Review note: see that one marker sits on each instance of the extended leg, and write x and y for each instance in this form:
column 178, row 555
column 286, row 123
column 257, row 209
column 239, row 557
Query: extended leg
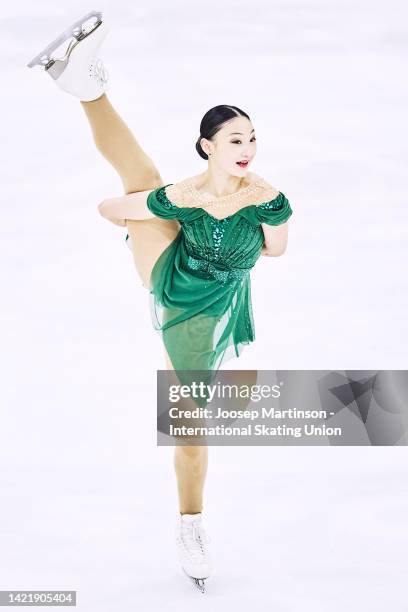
column 118, row 145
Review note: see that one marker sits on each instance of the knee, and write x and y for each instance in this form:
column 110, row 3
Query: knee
column 152, row 180
column 194, row 453
column 149, row 180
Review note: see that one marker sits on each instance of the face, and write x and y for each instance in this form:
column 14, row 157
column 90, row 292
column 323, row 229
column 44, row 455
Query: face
column 234, row 142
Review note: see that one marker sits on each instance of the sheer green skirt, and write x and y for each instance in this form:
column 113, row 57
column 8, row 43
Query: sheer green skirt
column 202, row 321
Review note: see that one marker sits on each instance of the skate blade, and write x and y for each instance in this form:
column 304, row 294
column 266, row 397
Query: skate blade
column 198, row 582
column 76, row 30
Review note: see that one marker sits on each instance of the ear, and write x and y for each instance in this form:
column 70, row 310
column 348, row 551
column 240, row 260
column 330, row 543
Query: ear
column 205, row 145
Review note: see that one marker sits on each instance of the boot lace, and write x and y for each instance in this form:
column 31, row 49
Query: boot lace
column 100, row 73
column 194, row 539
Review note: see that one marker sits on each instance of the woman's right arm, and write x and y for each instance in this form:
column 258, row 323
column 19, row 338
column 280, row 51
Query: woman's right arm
column 132, row 206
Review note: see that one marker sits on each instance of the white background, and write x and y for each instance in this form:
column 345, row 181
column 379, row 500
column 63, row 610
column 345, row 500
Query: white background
column 88, row 502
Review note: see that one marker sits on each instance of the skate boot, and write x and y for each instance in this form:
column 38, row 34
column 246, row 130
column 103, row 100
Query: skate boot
column 192, row 540
column 80, row 71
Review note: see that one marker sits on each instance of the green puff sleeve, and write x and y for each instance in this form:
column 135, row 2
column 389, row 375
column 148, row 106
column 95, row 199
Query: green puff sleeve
column 275, row 212
column 160, row 205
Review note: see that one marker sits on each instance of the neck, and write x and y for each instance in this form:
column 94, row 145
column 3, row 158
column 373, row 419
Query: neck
column 219, row 185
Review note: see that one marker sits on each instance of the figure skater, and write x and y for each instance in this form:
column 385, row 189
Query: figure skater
column 194, row 243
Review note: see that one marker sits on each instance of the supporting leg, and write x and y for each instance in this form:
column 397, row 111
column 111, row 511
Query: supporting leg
column 190, row 463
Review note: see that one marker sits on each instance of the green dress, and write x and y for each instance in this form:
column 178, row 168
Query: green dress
column 200, row 299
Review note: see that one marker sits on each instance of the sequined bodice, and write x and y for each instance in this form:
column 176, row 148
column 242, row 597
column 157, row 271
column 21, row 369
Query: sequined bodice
column 225, row 243
column 233, row 241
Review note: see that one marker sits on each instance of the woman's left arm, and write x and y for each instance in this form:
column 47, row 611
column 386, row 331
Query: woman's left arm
column 276, row 239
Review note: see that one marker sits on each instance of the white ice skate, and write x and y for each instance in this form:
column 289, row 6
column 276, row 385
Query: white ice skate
column 80, row 71
column 192, row 541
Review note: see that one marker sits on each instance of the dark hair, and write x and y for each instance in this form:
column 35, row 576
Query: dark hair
column 213, row 121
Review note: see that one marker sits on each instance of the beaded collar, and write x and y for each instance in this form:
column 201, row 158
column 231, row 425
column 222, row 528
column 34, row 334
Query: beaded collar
column 207, row 200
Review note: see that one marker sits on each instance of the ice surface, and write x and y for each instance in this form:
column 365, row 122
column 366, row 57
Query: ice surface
column 88, row 500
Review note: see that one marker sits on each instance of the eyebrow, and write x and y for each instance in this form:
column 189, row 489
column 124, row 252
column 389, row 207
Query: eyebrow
column 240, row 133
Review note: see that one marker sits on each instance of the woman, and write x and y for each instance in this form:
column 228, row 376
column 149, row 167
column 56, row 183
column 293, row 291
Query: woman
column 193, row 242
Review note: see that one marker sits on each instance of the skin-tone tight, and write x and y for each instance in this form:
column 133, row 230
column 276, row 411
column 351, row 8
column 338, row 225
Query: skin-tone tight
column 149, row 238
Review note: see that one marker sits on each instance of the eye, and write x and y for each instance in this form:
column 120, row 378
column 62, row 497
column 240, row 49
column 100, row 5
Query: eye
column 238, row 141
